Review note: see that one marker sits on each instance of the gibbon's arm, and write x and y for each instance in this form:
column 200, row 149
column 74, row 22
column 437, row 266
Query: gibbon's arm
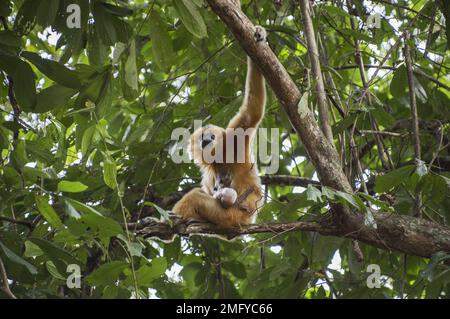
column 252, row 110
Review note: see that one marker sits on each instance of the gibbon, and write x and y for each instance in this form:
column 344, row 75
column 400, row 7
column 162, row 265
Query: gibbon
column 231, row 190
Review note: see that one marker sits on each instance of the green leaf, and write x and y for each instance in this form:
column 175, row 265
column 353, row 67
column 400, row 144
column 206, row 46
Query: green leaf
column 22, row 74
column 134, row 248
column 384, row 183
column 236, row 268
column 383, row 205
column 26, row 16
column 109, row 172
column 116, row 10
column 348, row 198
column 5, row 8
column 71, row 187
column 147, row 273
column 106, row 226
column 18, row 260
column 32, row 250
column 48, row 212
column 419, row 90
column 104, row 24
column 191, row 17
column 399, row 82
column 303, row 107
column 54, row 70
column 53, row 97
column 313, row 194
column 161, row 43
column 82, row 207
column 86, row 141
column 329, row 193
column 55, row 252
column 53, row 270
column 107, row 273
column 9, row 38
column 429, row 271
column 129, row 76
column 46, row 12
column 162, row 212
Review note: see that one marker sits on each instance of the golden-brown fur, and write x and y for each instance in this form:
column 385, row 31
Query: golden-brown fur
column 199, row 203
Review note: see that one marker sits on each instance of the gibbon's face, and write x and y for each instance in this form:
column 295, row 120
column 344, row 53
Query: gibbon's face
column 207, row 145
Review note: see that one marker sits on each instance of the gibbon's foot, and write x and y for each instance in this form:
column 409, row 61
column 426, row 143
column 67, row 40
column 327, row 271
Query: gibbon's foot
column 227, row 196
column 260, row 33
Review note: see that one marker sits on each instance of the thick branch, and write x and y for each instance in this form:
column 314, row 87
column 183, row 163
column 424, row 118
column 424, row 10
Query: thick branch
column 401, row 233
column 320, row 150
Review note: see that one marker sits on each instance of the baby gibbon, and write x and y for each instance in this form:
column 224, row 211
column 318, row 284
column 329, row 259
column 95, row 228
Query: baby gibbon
column 231, row 189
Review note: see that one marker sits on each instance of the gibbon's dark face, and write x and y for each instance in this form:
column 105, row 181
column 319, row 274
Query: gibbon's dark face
column 207, row 144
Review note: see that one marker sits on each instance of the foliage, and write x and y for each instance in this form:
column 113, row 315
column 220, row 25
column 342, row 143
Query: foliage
column 85, row 144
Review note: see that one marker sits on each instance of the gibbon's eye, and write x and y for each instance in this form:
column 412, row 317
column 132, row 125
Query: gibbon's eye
column 206, row 139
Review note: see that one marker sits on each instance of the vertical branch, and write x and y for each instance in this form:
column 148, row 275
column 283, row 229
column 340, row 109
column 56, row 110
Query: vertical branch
column 11, row 96
column 414, row 116
column 218, row 264
column 5, row 287
column 353, row 148
column 384, row 155
column 15, row 106
column 313, row 53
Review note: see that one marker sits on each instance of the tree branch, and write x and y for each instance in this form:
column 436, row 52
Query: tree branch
column 397, row 232
column 5, row 287
column 401, row 233
column 19, row 222
column 320, row 150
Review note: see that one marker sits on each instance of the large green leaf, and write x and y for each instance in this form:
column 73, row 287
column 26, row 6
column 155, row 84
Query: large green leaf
column 54, row 70
column 399, row 83
column 109, row 171
column 24, row 79
column 47, row 211
column 190, row 16
column 53, row 97
column 161, row 43
column 107, row 273
column 71, row 186
column 55, row 252
column 18, row 260
column 129, row 76
column 384, row 183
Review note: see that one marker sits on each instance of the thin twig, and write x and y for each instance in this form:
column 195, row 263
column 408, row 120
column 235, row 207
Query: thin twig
column 5, row 287
column 313, row 53
column 414, row 119
column 19, row 222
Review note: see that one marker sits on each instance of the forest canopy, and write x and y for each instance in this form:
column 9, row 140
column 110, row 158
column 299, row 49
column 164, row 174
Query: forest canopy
column 91, row 92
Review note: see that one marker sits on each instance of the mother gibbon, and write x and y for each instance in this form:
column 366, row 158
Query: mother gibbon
column 231, row 189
